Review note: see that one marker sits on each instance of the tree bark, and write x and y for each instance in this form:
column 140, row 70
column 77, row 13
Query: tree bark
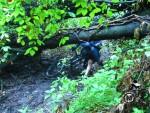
column 118, row 29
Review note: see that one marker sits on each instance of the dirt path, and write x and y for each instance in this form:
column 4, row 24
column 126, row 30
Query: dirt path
column 25, row 85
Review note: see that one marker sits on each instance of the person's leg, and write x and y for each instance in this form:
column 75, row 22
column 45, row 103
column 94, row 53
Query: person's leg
column 89, row 67
column 96, row 58
column 95, row 54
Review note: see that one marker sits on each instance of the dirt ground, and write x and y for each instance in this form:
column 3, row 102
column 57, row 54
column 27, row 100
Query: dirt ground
column 25, row 82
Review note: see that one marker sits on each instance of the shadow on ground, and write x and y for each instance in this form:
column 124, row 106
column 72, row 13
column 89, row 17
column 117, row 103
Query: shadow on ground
column 24, row 83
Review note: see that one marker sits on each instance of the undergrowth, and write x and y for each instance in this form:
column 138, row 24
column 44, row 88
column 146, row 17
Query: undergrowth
column 98, row 92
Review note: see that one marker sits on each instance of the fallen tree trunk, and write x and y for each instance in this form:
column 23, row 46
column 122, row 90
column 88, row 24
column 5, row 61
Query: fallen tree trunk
column 125, row 28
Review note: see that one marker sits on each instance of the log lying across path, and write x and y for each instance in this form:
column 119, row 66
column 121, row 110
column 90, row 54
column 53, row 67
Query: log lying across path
column 125, row 28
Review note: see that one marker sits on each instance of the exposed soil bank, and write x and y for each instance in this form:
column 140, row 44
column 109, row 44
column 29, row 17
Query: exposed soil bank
column 25, row 83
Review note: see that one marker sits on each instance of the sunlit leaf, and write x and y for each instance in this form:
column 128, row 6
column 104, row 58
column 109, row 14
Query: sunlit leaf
column 71, row 14
column 63, row 40
column 115, row 1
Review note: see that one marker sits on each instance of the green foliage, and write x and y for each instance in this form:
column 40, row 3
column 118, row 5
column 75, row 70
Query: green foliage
column 31, row 51
column 40, row 111
column 29, row 26
column 98, row 93
column 76, row 22
column 33, row 22
column 24, row 110
column 115, row 1
column 136, row 110
column 5, row 51
column 63, row 40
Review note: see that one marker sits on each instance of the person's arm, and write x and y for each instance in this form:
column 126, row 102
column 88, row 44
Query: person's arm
column 85, row 44
column 98, row 43
column 81, row 43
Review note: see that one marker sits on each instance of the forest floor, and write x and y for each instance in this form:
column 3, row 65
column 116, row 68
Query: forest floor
column 24, row 84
